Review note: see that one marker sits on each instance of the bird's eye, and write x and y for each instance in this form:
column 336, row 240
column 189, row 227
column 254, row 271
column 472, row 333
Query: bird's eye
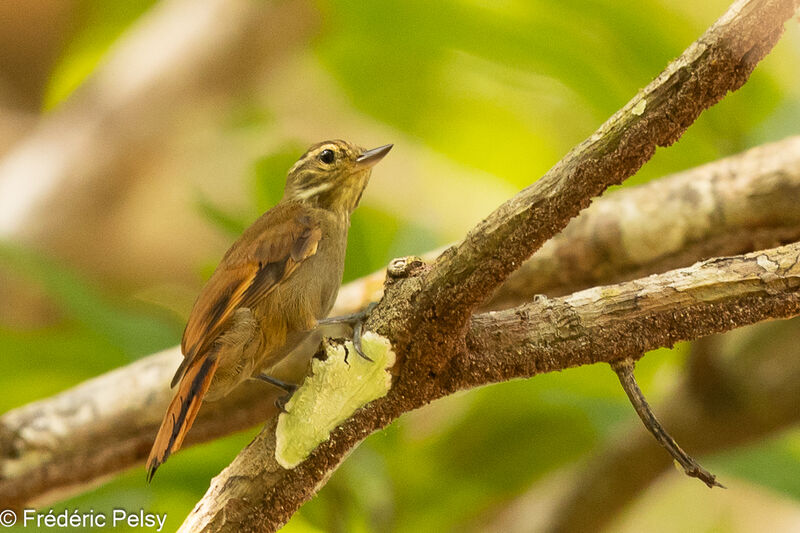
column 327, row 156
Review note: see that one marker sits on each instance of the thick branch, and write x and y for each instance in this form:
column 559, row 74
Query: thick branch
column 609, row 323
column 719, row 61
column 56, row 446
column 736, row 205
column 600, row 324
column 746, row 202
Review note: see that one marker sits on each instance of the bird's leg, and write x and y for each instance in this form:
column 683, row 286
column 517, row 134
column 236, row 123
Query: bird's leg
column 280, row 402
column 356, row 320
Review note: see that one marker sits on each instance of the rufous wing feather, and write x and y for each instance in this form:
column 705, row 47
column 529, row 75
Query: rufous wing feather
column 248, row 272
column 182, row 411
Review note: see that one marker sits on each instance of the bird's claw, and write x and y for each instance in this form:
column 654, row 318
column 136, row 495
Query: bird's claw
column 357, row 341
column 280, row 403
column 357, row 321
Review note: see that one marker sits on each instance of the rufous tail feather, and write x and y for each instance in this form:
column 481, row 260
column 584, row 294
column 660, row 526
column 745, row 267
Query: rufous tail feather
column 181, row 412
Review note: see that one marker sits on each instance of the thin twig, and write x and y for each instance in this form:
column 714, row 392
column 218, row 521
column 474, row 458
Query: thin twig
column 624, row 369
column 723, row 410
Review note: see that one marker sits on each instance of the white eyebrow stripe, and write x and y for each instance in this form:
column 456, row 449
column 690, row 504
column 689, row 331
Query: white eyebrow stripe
column 305, row 194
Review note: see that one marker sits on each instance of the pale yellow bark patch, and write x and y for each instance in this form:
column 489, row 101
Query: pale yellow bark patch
column 332, row 392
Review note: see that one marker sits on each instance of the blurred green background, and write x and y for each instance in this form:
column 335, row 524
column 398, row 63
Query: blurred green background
column 480, row 98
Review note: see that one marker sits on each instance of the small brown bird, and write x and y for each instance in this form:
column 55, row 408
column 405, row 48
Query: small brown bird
column 272, row 287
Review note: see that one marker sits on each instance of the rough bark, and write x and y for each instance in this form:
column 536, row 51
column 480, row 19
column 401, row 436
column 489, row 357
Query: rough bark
column 735, row 205
column 712, row 210
column 625, row 320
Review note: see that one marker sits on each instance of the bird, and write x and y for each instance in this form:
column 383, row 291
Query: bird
column 274, row 285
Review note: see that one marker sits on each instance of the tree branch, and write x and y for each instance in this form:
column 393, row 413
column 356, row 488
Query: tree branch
column 736, row 205
column 746, row 202
column 605, row 324
column 691, row 468
column 719, row 61
column 741, row 399
column 602, row 324
column 66, row 444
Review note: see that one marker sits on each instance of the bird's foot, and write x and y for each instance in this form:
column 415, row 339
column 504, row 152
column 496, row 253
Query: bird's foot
column 280, row 402
column 356, row 320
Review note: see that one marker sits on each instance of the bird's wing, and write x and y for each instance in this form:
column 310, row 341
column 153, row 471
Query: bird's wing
column 265, row 256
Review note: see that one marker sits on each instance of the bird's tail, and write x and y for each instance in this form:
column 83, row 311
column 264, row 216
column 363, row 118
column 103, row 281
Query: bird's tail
column 182, row 411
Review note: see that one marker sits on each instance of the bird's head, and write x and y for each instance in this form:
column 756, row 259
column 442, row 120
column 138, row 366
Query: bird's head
column 332, row 175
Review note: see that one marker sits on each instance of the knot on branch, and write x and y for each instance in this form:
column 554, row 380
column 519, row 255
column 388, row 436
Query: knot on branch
column 405, row 267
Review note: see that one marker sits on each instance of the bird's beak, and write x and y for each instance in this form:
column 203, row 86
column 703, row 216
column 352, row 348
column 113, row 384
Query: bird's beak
column 370, row 157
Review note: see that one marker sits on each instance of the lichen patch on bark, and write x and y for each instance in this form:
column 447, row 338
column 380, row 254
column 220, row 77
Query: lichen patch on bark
column 334, row 390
